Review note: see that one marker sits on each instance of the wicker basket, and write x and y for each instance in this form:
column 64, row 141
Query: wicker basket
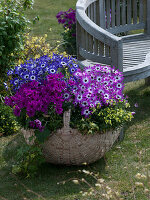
column 68, row 146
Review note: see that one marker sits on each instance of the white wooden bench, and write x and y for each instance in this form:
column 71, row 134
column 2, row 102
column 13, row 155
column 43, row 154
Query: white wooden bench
column 98, row 24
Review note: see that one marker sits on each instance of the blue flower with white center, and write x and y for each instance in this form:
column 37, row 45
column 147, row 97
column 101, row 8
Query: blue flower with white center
column 18, row 68
column 43, row 65
column 38, row 68
column 31, row 66
column 15, row 81
column 32, row 77
column 72, row 69
column 25, row 76
column 6, row 86
column 75, row 65
column 52, row 70
column 63, row 63
column 46, row 69
column 10, row 72
column 40, row 72
column 21, row 83
column 33, row 71
column 25, row 69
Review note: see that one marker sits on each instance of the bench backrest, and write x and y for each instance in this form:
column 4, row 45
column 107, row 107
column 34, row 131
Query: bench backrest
column 99, row 20
column 117, row 16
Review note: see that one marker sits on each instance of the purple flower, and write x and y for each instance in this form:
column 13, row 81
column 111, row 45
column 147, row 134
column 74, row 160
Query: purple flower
column 136, row 105
column 31, row 113
column 32, row 124
column 97, row 85
column 133, row 113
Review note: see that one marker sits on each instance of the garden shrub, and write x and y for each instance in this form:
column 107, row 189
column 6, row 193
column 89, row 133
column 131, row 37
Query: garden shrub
column 36, row 46
column 22, row 158
column 13, row 25
column 28, row 159
column 8, row 124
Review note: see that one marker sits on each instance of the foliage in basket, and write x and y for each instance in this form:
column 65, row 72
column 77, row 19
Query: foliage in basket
column 68, row 20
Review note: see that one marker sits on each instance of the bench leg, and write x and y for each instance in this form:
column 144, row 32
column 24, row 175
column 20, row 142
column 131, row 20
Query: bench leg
column 147, row 81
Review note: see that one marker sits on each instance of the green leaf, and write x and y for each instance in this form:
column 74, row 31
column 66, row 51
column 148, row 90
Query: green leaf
column 41, row 136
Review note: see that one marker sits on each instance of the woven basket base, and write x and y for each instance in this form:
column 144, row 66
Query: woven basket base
column 73, row 148
column 77, row 149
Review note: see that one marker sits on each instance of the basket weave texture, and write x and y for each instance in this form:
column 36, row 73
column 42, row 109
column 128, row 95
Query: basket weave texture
column 68, row 146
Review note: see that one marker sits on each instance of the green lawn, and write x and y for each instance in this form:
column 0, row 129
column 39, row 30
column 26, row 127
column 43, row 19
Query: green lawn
column 118, row 169
column 47, row 10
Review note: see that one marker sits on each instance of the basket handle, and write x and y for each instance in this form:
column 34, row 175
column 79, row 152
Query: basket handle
column 66, row 119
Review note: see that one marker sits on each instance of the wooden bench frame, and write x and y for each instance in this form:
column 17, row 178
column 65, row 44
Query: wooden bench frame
column 96, row 39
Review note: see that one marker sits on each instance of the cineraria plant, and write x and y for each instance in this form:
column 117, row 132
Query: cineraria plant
column 99, row 97
column 97, row 85
column 38, row 69
column 68, row 20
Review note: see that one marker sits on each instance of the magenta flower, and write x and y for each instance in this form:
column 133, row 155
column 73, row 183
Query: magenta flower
column 17, row 111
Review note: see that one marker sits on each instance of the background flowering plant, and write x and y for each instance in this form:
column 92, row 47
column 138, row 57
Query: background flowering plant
column 68, row 20
column 44, row 88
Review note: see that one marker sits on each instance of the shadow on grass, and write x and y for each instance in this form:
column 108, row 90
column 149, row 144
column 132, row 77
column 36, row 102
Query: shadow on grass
column 140, row 94
column 49, row 182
